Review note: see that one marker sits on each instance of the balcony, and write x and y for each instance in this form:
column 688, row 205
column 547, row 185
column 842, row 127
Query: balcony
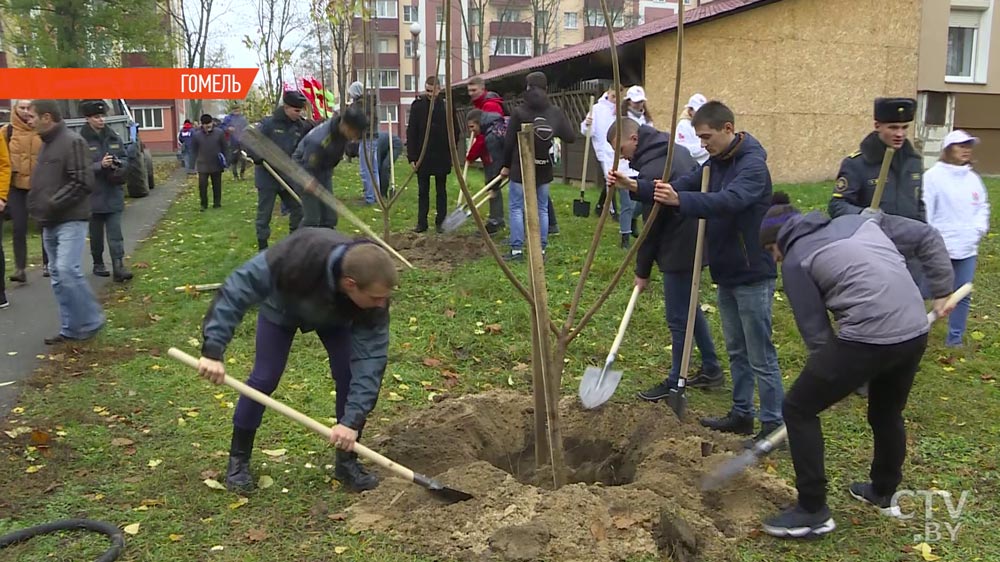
column 386, row 61
column 510, row 29
column 501, row 4
column 613, row 5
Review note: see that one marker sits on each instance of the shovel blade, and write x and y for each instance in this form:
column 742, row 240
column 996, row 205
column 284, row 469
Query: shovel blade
column 454, row 220
column 581, row 208
column 440, row 491
column 677, row 401
column 595, row 390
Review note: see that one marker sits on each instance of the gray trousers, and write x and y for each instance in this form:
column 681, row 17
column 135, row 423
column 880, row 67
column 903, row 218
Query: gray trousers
column 110, row 223
column 316, row 213
column 265, row 208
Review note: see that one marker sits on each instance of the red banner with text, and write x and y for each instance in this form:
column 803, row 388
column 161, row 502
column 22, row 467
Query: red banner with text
column 126, row 83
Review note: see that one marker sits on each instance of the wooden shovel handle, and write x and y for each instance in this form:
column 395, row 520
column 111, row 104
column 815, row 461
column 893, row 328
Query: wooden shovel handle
column 883, row 174
column 699, row 248
column 289, row 412
column 958, row 295
column 624, row 323
column 586, row 151
column 282, row 182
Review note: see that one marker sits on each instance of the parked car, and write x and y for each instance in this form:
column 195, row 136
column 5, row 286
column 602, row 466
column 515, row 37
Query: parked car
column 139, row 177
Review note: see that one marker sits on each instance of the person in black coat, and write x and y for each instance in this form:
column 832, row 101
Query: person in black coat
column 107, row 201
column 209, row 146
column 437, row 158
column 670, row 245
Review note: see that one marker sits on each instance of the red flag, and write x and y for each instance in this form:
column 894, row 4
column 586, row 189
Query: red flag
column 320, row 97
column 307, row 89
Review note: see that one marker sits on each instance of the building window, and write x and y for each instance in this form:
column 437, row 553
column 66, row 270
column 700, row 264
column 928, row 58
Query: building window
column 968, row 43
column 386, row 9
column 476, row 49
column 542, row 19
column 388, row 78
column 408, row 48
column 148, row 117
column 510, row 15
column 512, row 46
column 385, row 46
column 936, row 109
column 439, row 14
column 475, row 16
column 570, row 19
column 388, row 114
column 410, row 83
column 410, row 14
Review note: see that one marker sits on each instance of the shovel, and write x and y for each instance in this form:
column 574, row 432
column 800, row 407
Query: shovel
column 676, row 399
column 458, row 217
column 581, row 208
column 438, row 490
column 734, row 467
column 598, row 385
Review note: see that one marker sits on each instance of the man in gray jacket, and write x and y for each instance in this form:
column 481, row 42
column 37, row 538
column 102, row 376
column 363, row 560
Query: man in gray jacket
column 854, row 267
column 59, row 199
column 313, row 280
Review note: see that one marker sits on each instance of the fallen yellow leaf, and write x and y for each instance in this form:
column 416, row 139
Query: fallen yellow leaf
column 154, row 463
column 393, row 397
column 34, row 468
column 265, row 482
column 192, row 414
column 132, row 529
column 925, row 550
column 175, row 537
column 239, row 503
column 339, row 549
column 217, row 548
column 213, row 484
column 274, row 452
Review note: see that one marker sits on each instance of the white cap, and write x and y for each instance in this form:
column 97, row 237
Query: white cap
column 696, row 102
column 636, row 94
column 958, row 136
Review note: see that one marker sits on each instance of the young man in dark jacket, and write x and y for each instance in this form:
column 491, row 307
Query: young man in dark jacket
column 319, row 152
column 59, row 199
column 488, row 147
column 437, row 155
column 107, row 202
column 670, row 245
column 209, row 146
column 549, row 122
column 739, row 195
column 316, row 279
column 285, row 127
column 881, row 338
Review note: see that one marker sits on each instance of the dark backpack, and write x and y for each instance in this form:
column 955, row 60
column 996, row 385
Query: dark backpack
column 500, row 127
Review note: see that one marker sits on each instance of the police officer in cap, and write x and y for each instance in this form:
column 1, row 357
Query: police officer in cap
column 859, row 171
column 285, row 127
column 107, row 200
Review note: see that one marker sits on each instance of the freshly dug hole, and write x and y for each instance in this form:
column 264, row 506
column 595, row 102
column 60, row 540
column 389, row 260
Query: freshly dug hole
column 633, row 490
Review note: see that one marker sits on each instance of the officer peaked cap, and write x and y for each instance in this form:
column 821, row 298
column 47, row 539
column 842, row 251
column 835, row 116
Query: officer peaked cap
column 89, row 108
column 895, row 110
column 294, row 98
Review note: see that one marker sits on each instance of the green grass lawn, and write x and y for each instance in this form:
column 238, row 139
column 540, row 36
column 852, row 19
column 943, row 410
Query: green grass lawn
column 127, row 435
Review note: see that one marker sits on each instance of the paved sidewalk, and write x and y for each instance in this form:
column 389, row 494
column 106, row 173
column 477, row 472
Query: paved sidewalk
column 33, row 314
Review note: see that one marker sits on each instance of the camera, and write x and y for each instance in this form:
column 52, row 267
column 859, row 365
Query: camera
column 116, row 162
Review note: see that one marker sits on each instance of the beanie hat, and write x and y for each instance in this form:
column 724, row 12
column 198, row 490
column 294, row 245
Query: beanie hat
column 537, row 80
column 781, row 210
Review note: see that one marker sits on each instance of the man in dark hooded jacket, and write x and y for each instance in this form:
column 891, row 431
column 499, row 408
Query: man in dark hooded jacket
column 488, row 147
column 107, row 201
column 285, row 127
column 670, row 244
column 549, row 122
column 739, row 195
column 881, row 338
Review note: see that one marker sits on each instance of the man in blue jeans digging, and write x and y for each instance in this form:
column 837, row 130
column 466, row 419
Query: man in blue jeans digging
column 318, row 280
column 739, row 196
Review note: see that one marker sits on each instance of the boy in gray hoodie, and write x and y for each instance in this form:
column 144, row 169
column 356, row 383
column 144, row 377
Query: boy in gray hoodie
column 855, row 267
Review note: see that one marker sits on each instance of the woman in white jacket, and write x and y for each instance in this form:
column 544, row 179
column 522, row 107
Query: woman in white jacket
column 602, row 117
column 686, row 136
column 956, row 203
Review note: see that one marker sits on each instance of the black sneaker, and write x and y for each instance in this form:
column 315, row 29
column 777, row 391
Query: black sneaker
column 657, row 393
column 766, row 429
column 865, row 492
column 45, row 270
column 707, row 379
column 420, row 229
column 554, row 230
column 4, row 303
column 101, row 270
column 797, row 523
column 515, row 255
column 862, row 390
column 730, row 423
column 352, row 474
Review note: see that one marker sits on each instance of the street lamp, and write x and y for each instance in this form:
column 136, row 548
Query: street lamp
column 415, row 32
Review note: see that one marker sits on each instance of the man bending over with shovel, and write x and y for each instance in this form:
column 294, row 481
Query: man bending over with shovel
column 853, row 266
column 315, row 279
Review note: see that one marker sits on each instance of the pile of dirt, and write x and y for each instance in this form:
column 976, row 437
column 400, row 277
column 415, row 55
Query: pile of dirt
column 633, row 485
column 438, row 251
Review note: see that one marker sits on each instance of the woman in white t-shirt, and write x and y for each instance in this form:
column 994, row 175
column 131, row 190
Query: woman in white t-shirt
column 956, row 203
column 685, row 135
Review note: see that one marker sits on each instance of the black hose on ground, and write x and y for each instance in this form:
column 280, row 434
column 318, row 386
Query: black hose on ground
column 113, row 533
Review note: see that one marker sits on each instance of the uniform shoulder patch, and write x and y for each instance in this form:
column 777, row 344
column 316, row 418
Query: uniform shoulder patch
column 841, row 185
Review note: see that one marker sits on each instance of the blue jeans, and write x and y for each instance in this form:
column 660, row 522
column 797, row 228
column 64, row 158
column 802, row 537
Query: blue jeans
column 516, row 219
column 369, row 177
column 964, row 271
column 677, row 297
column 80, row 316
column 626, row 209
column 746, row 325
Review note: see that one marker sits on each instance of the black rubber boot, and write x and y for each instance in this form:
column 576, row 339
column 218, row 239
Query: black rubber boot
column 238, row 476
column 626, row 241
column 261, row 244
column 100, row 269
column 121, row 273
column 351, row 474
column 730, row 423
